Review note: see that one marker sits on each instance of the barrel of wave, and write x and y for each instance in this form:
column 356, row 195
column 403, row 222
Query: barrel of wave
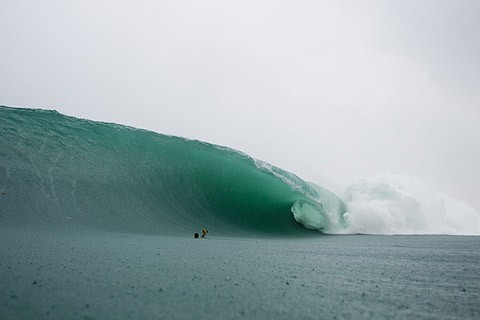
column 325, row 213
column 318, row 209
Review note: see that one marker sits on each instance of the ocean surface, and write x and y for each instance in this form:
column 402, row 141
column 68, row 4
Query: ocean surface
column 89, row 274
column 96, row 222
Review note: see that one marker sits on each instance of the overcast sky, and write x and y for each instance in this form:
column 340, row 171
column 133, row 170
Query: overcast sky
column 330, row 90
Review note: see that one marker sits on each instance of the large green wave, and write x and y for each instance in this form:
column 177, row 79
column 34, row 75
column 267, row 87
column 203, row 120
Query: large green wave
column 57, row 170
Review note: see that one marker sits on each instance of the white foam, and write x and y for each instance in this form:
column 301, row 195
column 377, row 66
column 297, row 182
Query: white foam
column 396, row 204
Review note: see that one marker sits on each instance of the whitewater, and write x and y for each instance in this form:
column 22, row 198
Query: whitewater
column 401, row 204
column 62, row 170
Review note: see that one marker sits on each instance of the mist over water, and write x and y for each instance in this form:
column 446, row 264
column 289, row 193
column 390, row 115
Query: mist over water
column 402, row 204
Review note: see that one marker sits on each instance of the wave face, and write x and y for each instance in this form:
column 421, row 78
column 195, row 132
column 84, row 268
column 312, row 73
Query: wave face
column 396, row 204
column 57, row 170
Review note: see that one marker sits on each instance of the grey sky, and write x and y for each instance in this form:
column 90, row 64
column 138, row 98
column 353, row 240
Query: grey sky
column 330, row 90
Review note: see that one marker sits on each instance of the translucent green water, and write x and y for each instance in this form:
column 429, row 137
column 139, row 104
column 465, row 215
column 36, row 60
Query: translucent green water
column 58, row 170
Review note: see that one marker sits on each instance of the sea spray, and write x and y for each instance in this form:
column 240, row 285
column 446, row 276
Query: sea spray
column 399, row 204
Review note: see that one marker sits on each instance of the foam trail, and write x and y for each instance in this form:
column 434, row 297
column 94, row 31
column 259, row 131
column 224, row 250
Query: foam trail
column 396, row 204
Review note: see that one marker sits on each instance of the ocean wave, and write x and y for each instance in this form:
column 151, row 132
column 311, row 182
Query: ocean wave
column 58, row 170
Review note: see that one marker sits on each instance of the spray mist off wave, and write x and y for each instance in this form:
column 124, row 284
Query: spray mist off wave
column 397, row 204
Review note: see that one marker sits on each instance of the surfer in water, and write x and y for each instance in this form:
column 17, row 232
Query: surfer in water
column 204, row 233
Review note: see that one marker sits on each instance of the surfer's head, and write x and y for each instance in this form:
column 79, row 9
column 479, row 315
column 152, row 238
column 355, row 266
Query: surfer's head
column 195, row 235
